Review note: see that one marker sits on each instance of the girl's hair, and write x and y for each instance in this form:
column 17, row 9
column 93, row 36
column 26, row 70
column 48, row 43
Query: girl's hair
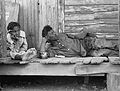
column 11, row 25
column 45, row 30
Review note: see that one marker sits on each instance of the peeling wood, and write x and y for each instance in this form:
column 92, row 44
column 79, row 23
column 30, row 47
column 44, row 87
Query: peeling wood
column 99, row 28
column 92, row 22
column 74, row 2
column 101, row 15
column 3, row 51
column 61, row 8
column 90, row 9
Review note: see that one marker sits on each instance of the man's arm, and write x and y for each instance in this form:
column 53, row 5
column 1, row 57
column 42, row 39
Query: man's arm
column 43, row 44
column 80, row 35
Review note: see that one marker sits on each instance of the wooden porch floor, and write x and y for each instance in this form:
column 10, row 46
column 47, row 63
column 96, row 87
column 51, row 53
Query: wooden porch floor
column 69, row 68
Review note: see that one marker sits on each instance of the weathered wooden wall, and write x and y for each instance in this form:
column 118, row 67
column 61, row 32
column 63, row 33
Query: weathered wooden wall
column 29, row 20
column 98, row 16
column 2, row 30
column 48, row 15
column 34, row 15
column 71, row 16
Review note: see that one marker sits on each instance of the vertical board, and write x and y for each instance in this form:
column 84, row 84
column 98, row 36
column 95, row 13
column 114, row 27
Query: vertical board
column 51, row 11
column 61, row 17
column 12, row 9
column 3, row 51
column 29, row 20
column 42, row 17
column 113, row 82
column 47, row 15
column 119, row 29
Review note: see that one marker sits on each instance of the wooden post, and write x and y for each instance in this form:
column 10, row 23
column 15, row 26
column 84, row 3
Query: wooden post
column 113, row 82
column 3, row 45
column 86, row 80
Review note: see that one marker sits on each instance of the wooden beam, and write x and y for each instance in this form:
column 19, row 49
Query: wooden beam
column 96, row 69
column 38, row 69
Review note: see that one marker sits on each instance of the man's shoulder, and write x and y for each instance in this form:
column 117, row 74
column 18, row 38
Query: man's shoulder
column 22, row 33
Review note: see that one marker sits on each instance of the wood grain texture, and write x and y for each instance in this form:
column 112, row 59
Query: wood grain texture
column 97, row 16
column 47, row 15
column 74, row 2
column 3, row 51
column 90, row 9
column 119, row 27
column 28, row 19
column 91, row 22
column 113, row 82
column 99, row 28
column 61, row 18
column 101, row 15
column 94, row 69
column 12, row 10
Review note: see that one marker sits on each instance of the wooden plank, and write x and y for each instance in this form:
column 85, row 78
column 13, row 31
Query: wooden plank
column 29, row 15
column 38, row 69
column 90, row 9
column 92, row 22
column 36, row 23
column 96, row 69
column 42, row 18
column 52, row 14
column 113, row 82
column 33, row 23
column 3, row 50
column 99, row 28
column 119, row 28
column 13, row 12
column 21, row 14
column 74, row 2
column 101, row 15
column 61, row 8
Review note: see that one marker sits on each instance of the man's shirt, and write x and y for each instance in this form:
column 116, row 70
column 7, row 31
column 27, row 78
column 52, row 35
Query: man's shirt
column 66, row 45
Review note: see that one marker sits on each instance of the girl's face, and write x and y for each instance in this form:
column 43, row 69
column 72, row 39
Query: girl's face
column 15, row 31
column 16, row 28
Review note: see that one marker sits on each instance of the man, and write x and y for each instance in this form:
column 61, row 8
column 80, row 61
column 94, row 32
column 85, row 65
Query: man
column 17, row 43
column 82, row 45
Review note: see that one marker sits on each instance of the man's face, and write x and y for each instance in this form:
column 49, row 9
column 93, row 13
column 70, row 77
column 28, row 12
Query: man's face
column 51, row 35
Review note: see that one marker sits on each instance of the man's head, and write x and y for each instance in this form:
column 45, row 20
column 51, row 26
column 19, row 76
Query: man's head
column 48, row 32
column 13, row 27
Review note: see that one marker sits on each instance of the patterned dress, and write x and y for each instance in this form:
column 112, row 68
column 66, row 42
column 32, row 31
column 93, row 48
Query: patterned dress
column 17, row 44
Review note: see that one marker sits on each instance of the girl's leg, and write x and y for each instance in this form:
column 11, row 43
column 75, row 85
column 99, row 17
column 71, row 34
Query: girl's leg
column 29, row 54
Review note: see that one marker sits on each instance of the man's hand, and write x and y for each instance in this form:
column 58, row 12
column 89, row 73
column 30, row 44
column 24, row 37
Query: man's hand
column 43, row 55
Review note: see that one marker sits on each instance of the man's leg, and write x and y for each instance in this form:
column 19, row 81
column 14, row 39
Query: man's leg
column 103, row 43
